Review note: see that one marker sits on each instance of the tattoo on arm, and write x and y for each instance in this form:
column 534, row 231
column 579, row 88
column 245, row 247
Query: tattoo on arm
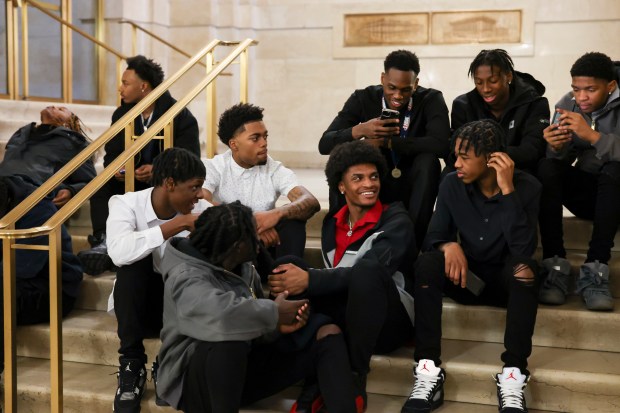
column 303, row 204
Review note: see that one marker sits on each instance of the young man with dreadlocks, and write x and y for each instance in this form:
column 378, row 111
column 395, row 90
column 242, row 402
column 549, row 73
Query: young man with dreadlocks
column 223, row 344
column 511, row 98
column 138, row 226
column 139, row 79
column 411, row 146
column 484, row 224
column 364, row 246
column 587, row 130
column 246, row 173
column 39, row 151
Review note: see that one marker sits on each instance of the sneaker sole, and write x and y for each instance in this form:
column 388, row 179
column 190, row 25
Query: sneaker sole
column 95, row 264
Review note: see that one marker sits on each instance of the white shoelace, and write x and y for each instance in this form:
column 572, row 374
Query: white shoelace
column 423, row 386
column 512, row 394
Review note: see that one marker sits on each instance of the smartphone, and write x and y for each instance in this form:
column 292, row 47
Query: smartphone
column 389, row 114
column 556, row 118
column 474, row 283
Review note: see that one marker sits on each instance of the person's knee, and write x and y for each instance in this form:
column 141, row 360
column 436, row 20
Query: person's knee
column 327, row 330
column 367, row 276
column 610, row 172
column 524, row 274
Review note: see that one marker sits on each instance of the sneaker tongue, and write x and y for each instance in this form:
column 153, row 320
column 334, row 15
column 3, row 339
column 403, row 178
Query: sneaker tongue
column 427, row 367
column 512, row 375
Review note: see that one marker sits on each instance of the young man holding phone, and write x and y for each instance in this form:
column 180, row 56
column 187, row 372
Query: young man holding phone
column 586, row 128
column 484, row 224
column 411, row 143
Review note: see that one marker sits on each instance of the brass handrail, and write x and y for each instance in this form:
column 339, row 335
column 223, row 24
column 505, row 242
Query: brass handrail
column 136, row 26
column 53, row 225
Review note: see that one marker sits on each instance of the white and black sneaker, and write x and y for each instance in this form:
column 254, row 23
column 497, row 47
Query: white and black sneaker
column 510, row 386
column 131, row 380
column 427, row 392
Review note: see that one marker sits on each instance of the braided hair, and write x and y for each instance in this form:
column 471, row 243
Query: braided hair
column 492, row 57
column 218, row 228
column 179, row 164
column 485, row 136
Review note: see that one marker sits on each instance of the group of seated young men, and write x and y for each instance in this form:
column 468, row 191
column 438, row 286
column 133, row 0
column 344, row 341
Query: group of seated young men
column 509, row 171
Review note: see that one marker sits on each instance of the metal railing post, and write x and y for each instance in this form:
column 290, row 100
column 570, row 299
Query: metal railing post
column 55, row 279
column 211, row 143
column 9, row 294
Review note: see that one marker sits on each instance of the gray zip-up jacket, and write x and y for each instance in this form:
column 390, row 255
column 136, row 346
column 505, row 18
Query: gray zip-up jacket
column 203, row 302
column 590, row 158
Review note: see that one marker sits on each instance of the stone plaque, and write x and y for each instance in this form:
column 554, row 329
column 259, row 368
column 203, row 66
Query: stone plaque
column 497, row 26
column 386, row 29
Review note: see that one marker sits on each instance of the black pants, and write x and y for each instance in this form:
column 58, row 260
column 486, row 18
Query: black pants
column 292, row 233
column 502, row 289
column 99, row 203
column 417, row 189
column 32, row 307
column 138, row 305
column 369, row 312
column 587, row 196
column 223, row 376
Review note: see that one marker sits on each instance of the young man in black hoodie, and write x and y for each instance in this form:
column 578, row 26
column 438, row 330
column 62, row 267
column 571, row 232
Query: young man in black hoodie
column 513, row 99
column 411, row 148
column 139, row 79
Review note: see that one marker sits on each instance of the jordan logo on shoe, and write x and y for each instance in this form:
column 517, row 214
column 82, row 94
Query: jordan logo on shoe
column 511, row 376
column 424, row 367
column 127, row 368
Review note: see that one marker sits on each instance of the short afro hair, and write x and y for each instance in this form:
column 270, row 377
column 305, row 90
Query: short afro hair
column 402, row 60
column 596, row 65
column 485, row 136
column 492, row 57
column 233, row 119
column 146, row 69
column 349, row 154
column 179, row 164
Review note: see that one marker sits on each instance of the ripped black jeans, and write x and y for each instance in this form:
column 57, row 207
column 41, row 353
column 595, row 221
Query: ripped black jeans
column 502, row 289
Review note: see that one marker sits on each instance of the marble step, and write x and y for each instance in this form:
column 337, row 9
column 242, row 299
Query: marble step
column 562, row 381
column 90, row 388
column 90, row 336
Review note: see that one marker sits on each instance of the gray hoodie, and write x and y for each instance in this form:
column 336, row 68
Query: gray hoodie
column 590, row 158
column 203, row 302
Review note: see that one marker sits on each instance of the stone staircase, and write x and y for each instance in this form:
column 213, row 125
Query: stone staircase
column 574, row 364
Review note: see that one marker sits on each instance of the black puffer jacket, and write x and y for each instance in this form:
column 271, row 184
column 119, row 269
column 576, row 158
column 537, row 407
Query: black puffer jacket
column 185, row 132
column 525, row 117
column 40, row 151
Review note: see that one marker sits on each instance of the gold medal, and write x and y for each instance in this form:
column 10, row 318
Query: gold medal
column 396, row 173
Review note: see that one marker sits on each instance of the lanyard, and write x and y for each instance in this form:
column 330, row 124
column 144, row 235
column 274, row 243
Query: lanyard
column 146, row 124
column 403, row 128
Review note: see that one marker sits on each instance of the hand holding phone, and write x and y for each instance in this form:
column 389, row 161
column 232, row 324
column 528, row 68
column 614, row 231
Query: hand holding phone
column 474, row 283
column 556, row 118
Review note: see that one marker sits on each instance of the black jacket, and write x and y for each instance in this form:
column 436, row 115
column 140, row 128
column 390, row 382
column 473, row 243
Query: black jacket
column 390, row 249
column 524, row 119
column 38, row 152
column 429, row 131
column 32, row 266
column 185, row 133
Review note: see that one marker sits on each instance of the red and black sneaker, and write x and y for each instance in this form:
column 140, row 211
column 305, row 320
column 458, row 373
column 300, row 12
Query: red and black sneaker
column 309, row 400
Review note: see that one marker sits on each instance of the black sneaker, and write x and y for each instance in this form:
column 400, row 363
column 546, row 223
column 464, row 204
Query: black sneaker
column 309, row 400
column 510, row 386
column 154, row 369
column 96, row 260
column 427, row 392
column 131, row 381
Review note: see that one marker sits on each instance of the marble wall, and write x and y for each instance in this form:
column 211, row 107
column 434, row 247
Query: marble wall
column 301, row 74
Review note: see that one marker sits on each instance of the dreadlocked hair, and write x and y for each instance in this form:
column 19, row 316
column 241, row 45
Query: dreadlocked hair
column 233, row 119
column 77, row 125
column 492, row 57
column 352, row 153
column 218, row 228
column 179, row 164
column 594, row 64
column 485, row 136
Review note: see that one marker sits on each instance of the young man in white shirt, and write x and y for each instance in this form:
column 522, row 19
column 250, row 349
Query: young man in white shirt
column 138, row 226
column 246, row 173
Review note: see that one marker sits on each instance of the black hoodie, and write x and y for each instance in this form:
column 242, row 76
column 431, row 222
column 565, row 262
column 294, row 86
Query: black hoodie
column 525, row 117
